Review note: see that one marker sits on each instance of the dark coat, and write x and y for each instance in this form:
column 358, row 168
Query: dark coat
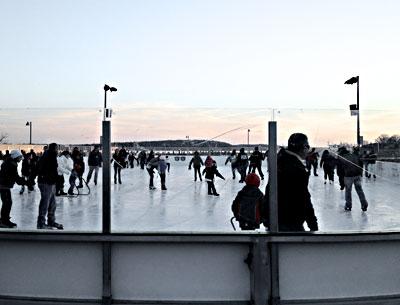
column 294, row 200
column 211, row 172
column 352, row 165
column 243, row 207
column 242, row 160
column 95, row 158
column 79, row 163
column 256, row 158
column 196, row 161
column 9, row 174
column 47, row 168
column 328, row 162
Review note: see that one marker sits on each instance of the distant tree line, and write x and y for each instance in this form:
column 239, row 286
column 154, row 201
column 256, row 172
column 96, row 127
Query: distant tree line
column 172, row 143
column 386, row 141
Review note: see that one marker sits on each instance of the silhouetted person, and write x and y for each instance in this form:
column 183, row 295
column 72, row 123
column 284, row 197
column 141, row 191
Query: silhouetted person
column 256, row 159
column 312, row 161
column 210, row 172
column 94, row 161
column 328, row 163
column 294, row 199
column 242, row 163
column 340, row 166
column 197, row 163
column 233, row 159
column 353, row 169
column 8, row 177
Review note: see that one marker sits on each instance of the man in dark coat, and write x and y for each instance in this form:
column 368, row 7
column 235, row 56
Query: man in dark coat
column 94, row 161
column 197, row 163
column 8, row 177
column 256, row 159
column 242, row 164
column 47, row 179
column 294, row 199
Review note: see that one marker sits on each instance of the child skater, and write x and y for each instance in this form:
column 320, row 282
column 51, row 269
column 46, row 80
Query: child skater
column 210, row 171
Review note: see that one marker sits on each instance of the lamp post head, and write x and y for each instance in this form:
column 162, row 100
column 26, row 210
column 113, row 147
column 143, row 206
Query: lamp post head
column 112, row 89
column 27, row 124
column 106, row 87
column 351, row 81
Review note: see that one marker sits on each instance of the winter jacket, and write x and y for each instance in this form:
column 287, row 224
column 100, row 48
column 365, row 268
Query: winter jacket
column 211, row 172
column 256, row 158
column 294, row 200
column 242, row 160
column 243, row 207
column 79, row 164
column 95, row 158
column 28, row 167
column 47, row 168
column 352, row 165
column 118, row 159
column 162, row 166
column 232, row 159
column 328, row 162
column 152, row 164
column 196, row 161
column 9, row 174
column 65, row 165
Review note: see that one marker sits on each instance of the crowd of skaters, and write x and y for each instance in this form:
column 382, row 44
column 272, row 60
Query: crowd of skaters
column 50, row 167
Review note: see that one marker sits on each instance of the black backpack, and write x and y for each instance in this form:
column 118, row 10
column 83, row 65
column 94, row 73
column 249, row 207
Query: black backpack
column 248, row 212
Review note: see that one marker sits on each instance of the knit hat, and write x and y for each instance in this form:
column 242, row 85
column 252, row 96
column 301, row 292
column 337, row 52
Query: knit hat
column 252, row 179
column 15, row 154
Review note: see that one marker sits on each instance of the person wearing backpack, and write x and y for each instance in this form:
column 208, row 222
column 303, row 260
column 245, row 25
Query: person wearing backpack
column 248, row 204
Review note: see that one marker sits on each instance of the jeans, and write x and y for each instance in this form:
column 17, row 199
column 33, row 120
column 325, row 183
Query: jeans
column 197, row 171
column 211, row 188
column 96, row 172
column 47, row 204
column 348, row 182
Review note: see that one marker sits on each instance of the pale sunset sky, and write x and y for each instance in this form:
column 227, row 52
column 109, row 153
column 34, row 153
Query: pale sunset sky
column 198, row 68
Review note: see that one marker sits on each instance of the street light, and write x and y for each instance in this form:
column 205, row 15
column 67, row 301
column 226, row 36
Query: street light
column 356, row 108
column 107, row 112
column 248, row 137
column 106, row 146
column 30, row 131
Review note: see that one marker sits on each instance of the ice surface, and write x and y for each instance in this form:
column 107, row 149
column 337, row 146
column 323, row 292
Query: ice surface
column 185, row 206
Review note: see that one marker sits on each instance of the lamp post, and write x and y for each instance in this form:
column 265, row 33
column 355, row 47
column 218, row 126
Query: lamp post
column 248, row 137
column 106, row 145
column 30, row 131
column 351, row 81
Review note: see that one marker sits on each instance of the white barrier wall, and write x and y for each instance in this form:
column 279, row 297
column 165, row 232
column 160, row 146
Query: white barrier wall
column 55, row 270
column 339, row 270
column 183, row 272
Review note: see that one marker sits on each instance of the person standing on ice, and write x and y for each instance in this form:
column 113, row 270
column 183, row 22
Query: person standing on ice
column 47, row 179
column 8, row 177
column 162, row 167
column 353, row 169
column 118, row 160
column 328, row 163
column 64, row 167
column 312, row 161
column 95, row 159
column 168, row 163
column 256, row 159
column 142, row 159
column 340, row 166
column 294, row 199
column 242, row 164
column 210, row 172
column 28, row 171
column 151, row 166
column 232, row 158
column 197, row 163
column 79, row 168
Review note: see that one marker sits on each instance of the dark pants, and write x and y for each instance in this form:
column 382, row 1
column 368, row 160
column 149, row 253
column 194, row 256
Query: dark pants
column 242, row 171
column 162, row 177
column 341, row 181
column 151, row 174
column 258, row 167
column 168, row 166
column 328, row 173
column 211, row 188
column 47, row 204
column 117, row 172
column 5, row 195
column 60, row 184
column 197, row 171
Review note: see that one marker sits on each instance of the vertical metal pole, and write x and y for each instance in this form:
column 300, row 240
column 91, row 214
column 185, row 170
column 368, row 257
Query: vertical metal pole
column 106, row 177
column 30, row 133
column 273, row 211
column 260, row 272
column 107, row 296
column 273, row 177
column 248, row 137
column 358, row 112
column 105, row 105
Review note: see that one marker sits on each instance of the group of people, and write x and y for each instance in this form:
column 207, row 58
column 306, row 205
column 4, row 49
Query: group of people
column 294, row 168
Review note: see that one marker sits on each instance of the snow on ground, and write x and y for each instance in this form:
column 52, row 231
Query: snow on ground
column 185, row 206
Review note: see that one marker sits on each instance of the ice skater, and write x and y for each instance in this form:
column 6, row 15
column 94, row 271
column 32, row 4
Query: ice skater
column 210, row 172
column 119, row 162
column 232, row 158
column 256, row 159
column 151, row 165
column 168, row 163
column 162, row 167
column 94, row 161
column 197, row 163
column 64, row 167
column 328, row 163
column 28, row 171
column 340, row 166
column 312, row 161
column 242, row 164
column 353, row 169
column 8, row 177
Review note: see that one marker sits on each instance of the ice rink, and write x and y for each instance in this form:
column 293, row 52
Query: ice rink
column 185, row 206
